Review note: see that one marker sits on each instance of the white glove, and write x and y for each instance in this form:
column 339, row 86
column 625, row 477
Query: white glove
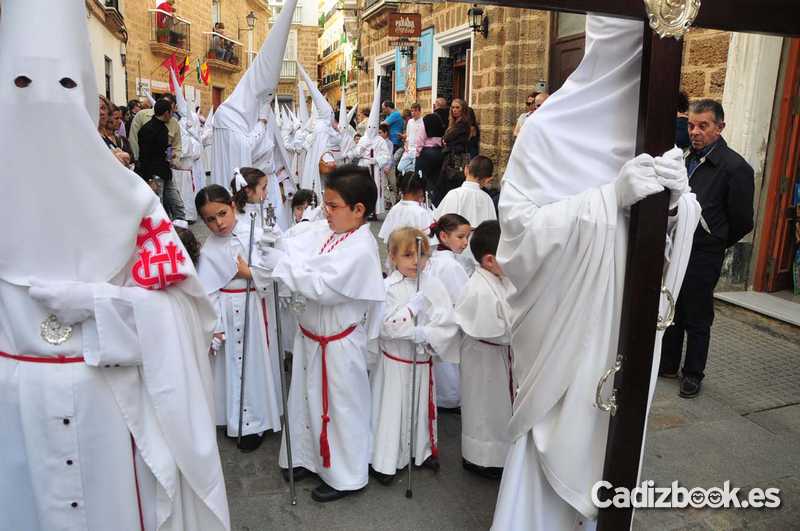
column 671, row 174
column 70, row 302
column 636, row 180
column 269, row 237
column 216, row 342
column 418, row 303
column 270, row 257
column 420, row 337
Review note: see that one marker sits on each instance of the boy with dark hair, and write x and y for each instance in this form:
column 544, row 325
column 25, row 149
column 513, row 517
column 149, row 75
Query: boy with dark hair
column 334, row 275
column 486, row 358
column 469, row 200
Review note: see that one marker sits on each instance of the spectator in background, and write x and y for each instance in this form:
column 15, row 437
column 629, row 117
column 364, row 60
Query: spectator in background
column 682, row 122
column 442, row 109
column 532, row 102
column 474, row 143
column 456, row 145
column 429, row 158
column 222, row 47
column 107, row 134
column 415, row 130
column 363, row 118
column 723, row 183
column 117, row 128
column 134, row 106
column 395, row 122
column 143, row 116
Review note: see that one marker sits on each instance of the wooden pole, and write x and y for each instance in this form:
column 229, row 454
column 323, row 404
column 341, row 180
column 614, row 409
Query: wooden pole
column 661, row 69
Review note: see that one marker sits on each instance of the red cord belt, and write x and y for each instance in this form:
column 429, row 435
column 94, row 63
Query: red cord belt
column 242, row 290
column 324, row 447
column 510, row 366
column 431, row 401
column 59, row 358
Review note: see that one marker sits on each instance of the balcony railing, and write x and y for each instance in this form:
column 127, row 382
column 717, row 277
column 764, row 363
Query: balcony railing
column 169, row 33
column 375, row 7
column 222, row 52
column 330, row 49
column 289, row 69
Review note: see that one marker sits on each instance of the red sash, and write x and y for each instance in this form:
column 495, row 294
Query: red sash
column 431, row 400
column 60, row 358
column 324, row 447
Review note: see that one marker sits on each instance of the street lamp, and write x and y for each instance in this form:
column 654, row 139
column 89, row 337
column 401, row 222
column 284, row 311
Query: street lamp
column 251, row 20
column 478, row 21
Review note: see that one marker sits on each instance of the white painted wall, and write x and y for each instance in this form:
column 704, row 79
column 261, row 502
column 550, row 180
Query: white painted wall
column 105, row 44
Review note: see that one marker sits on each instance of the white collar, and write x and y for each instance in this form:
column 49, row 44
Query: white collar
column 470, row 184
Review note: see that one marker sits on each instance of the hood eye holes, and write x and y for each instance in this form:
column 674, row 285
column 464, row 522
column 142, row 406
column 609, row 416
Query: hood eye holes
column 22, row 81
column 67, row 82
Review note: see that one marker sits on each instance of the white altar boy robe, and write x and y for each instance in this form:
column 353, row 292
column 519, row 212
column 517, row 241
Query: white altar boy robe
column 469, row 201
column 486, row 358
column 391, row 379
column 405, row 214
column 445, row 266
column 339, row 276
column 262, row 398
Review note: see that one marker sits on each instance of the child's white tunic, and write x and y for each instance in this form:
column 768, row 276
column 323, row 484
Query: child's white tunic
column 391, row 380
column 343, row 289
column 486, row 361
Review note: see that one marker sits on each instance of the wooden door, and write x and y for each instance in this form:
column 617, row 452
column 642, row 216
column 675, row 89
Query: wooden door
column 567, row 43
column 216, row 97
column 779, row 238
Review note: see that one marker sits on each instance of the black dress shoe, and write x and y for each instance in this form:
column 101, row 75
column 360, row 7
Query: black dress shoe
column 325, row 493
column 690, row 386
column 298, row 472
column 489, row 472
column 431, row 463
column 250, row 443
column 672, row 375
column 383, row 479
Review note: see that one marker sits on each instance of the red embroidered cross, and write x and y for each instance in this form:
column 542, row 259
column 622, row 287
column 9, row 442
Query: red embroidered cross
column 158, row 267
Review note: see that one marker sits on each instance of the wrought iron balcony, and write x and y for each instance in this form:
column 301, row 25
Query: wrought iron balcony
column 223, row 53
column 169, row 33
column 289, row 69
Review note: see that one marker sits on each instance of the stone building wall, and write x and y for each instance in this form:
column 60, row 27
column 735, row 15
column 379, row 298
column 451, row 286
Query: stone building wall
column 306, row 56
column 705, row 57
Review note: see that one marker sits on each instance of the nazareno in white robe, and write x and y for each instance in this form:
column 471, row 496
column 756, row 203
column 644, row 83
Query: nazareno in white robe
column 486, row 360
column 115, row 433
column 563, row 245
column 391, row 378
column 375, row 155
column 262, row 399
column 342, row 288
column 405, row 214
column 445, row 266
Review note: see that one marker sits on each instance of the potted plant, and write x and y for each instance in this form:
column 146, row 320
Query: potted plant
column 162, row 35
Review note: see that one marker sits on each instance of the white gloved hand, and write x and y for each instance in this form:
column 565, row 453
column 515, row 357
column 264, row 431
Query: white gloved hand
column 418, row 303
column 70, row 302
column 270, row 257
column 270, row 236
column 420, row 336
column 217, row 341
column 671, row 174
column 636, row 180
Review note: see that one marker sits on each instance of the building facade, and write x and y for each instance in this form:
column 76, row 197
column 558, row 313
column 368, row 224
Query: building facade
column 301, row 48
column 335, row 50
column 108, row 35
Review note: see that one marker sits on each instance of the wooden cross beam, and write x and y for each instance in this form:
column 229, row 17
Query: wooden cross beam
column 661, row 68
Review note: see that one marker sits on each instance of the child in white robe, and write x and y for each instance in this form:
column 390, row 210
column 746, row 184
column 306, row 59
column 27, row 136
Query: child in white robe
column 224, row 271
column 410, row 210
column 486, row 358
column 336, row 271
column 452, row 231
column 433, row 332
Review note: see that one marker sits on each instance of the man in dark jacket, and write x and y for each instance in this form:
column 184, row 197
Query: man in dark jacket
column 154, row 157
column 723, row 183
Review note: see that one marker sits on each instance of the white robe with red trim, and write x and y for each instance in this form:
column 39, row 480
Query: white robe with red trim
column 391, row 379
column 342, row 287
column 125, row 437
column 262, row 398
column 483, row 315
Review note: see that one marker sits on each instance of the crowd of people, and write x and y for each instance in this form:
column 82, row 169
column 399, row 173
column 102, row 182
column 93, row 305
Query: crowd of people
column 145, row 341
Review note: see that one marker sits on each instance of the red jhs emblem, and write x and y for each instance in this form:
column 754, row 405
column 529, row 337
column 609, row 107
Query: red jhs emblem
column 158, row 265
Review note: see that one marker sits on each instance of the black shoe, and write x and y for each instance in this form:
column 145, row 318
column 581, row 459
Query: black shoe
column 298, row 472
column 489, row 472
column 450, row 410
column 383, row 479
column 431, row 463
column 250, row 443
column 325, row 493
column 672, row 375
column 690, row 386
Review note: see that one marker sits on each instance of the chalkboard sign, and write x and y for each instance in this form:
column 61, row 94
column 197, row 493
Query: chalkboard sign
column 444, row 79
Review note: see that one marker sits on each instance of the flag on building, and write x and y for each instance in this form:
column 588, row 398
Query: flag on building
column 170, row 63
column 186, row 66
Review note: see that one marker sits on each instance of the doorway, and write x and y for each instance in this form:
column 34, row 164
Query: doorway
column 567, row 43
column 216, row 97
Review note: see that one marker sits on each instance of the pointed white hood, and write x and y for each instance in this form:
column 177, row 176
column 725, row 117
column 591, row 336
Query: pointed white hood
column 180, row 101
column 374, row 112
column 302, row 107
column 57, row 169
column 599, row 100
column 259, row 82
column 342, row 111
